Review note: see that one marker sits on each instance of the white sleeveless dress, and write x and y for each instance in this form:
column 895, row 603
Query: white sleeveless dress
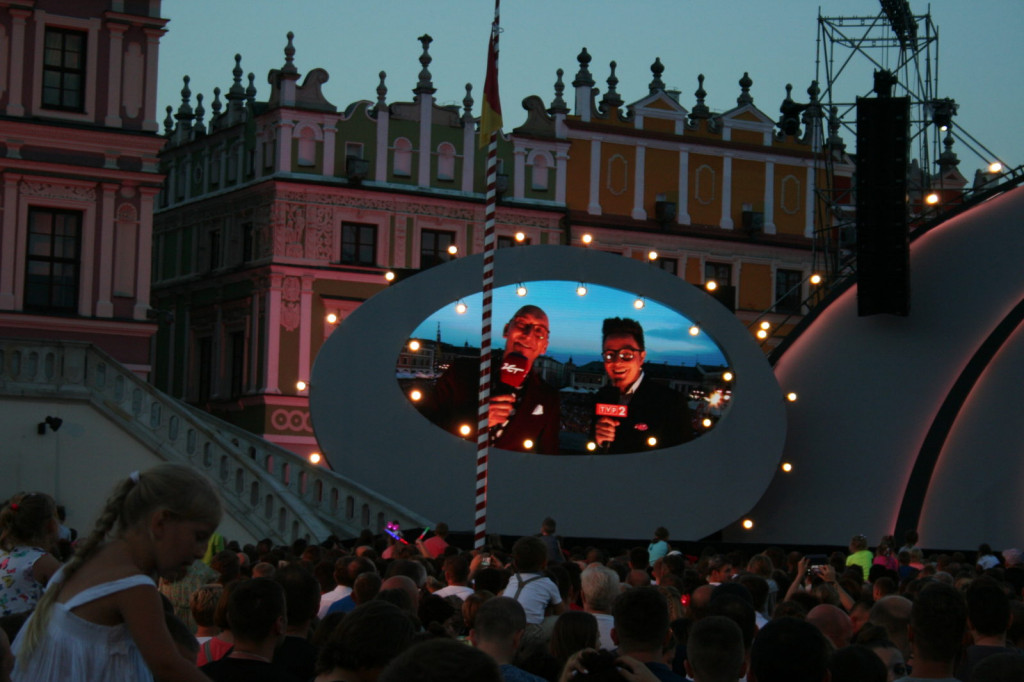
column 75, row 650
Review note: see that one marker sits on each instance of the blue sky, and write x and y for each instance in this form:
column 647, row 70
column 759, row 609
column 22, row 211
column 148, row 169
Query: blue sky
column 576, row 323
column 775, row 41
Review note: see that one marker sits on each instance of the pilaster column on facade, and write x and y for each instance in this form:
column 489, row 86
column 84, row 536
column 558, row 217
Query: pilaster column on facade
column 222, row 152
column 218, row 388
column 519, row 164
column 769, row 197
column 727, row 223
column 426, row 102
column 105, row 227
column 15, row 60
column 255, row 346
column 380, row 173
column 143, row 261
column 330, row 137
column 306, row 327
column 284, row 146
column 683, row 209
column 91, row 225
column 8, row 241
column 638, row 183
column 584, row 97
column 185, row 176
column 809, row 203
column 594, row 203
column 561, row 175
column 204, row 171
column 113, row 117
column 273, row 334
column 153, row 35
column 469, row 142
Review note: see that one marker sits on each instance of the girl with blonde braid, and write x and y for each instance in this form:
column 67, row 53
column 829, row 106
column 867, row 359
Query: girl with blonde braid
column 102, row 618
column 28, row 537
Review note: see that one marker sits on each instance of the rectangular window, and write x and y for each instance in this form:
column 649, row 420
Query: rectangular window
column 670, row 265
column 204, row 368
column 358, row 244
column 214, row 246
column 64, row 69
column 434, row 247
column 721, row 273
column 236, row 363
column 53, row 260
column 787, row 291
column 248, row 245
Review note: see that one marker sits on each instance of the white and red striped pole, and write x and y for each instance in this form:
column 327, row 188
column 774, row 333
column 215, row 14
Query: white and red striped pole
column 490, row 117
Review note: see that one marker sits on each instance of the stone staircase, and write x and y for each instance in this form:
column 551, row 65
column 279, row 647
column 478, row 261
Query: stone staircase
column 271, row 492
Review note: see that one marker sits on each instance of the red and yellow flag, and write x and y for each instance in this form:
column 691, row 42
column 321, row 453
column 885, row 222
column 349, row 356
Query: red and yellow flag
column 490, row 118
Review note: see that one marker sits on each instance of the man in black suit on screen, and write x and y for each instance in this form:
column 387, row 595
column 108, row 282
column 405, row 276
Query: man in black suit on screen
column 632, row 413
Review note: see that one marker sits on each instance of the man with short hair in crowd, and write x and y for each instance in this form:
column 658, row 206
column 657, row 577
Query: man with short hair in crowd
column 893, row 614
column 715, row 651
column 938, row 621
column 641, row 629
column 456, row 574
column 256, row 614
column 498, row 631
column 347, row 570
column 789, row 650
column 719, row 570
column 988, row 619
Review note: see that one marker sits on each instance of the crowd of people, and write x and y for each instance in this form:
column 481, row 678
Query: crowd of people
column 154, row 592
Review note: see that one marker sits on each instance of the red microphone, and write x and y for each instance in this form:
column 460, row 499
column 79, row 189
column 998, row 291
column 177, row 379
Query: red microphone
column 514, row 370
column 614, row 411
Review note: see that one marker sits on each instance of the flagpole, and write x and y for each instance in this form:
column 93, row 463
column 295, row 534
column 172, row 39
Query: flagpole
column 490, row 124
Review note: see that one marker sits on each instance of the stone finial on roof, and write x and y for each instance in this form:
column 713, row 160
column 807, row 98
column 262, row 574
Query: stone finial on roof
column 813, row 113
column 289, row 58
column 700, row 109
column 835, row 142
column 236, row 92
column 745, row 97
column 789, row 122
column 216, row 105
column 467, row 104
column 425, row 86
column 200, row 112
column 558, row 105
column 169, row 121
column 583, row 76
column 185, row 109
column 382, row 92
column 611, row 99
column 657, row 68
column 250, row 90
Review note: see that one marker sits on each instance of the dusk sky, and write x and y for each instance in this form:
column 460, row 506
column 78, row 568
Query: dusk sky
column 776, row 42
column 576, row 323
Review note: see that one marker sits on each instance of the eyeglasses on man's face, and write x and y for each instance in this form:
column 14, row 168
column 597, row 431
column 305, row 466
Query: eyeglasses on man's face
column 622, row 355
column 537, row 330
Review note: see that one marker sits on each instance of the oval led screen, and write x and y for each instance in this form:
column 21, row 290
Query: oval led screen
column 607, row 372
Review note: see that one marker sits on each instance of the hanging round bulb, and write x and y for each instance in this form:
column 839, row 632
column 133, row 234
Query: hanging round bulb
column 465, row 430
column 461, row 307
column 581, row 290
column 521, row 290
column 932, row 199
column 520, row 237
column 414, row 345
column 389, row 276
column 315, row 457
column 453, row 249
column 815, row 278
column 586, row 239
column 711, row 285
column 748, row 524
column 639, row 303
column 415, row 395
column 300, row 385
column 727, row 376
column 766, row 325
column 995, row 167
column 652, row 256
column 762, row 334
column 787, row 467
column 332, row 318
column 694, row 329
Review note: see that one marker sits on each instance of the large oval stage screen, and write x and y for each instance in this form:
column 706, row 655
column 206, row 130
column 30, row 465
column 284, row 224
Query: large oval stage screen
column 576, row 369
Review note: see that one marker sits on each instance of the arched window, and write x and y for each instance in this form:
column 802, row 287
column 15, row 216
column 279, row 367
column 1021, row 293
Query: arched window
column 403, row 157
column 307, row 147
column 446, row 161
column 539, row 172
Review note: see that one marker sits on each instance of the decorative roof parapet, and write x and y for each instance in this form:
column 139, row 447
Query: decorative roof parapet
column 789, row 121
column 812, row 116
column 583, row 76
